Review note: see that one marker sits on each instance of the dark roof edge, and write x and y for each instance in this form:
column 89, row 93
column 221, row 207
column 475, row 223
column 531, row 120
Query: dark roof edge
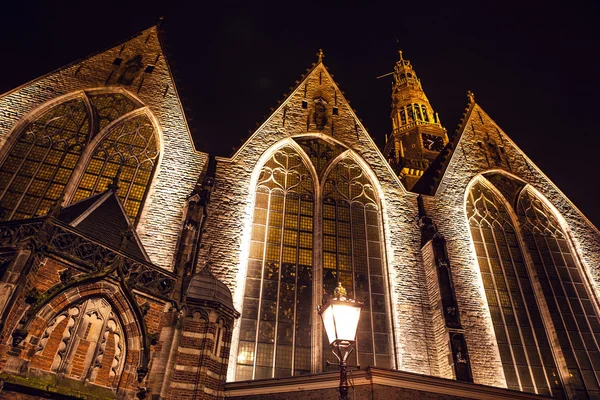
column 430, row 180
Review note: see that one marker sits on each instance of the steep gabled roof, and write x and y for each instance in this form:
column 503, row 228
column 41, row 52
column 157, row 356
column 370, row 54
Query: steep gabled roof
column 103, row 218
column 349, row 130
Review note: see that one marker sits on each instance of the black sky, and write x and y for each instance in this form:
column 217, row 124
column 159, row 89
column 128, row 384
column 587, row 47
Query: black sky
column 532, row 65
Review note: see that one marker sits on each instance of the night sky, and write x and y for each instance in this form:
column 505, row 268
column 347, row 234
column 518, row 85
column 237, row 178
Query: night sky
column 532, row 65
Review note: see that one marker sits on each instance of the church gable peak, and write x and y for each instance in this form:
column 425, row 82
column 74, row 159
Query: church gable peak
column 315, row 105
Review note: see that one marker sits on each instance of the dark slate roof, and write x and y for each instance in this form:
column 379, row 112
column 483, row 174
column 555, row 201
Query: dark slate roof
column 68, row 214
column 205, row 286
column 431, row 178
column 103, row 219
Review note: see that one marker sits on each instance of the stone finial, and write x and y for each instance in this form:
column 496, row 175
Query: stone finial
column 471, row 96
column 400, row 54
column 320, row 54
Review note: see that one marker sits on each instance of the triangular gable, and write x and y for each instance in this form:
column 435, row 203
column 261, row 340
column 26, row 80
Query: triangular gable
column 138, row 65
column 317, row 105
column 485, row 147
column 103, row 218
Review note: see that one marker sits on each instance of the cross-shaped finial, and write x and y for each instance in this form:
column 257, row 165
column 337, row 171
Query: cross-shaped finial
column 114, row 186
column 321, row 55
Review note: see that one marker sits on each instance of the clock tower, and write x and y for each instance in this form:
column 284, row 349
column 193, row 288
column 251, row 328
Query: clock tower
column 417, row 136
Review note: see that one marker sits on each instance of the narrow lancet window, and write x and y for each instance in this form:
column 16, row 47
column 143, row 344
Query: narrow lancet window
column 275, row 334
column 524, row 347
column 572, row 307
column 352, row 255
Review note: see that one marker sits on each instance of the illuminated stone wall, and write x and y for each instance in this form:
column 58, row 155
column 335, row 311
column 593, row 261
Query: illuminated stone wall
column 484, row 147
column 230, row 213
column 179, row 164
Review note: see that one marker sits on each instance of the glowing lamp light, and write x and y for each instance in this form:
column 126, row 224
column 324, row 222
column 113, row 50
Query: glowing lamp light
column 340, row 318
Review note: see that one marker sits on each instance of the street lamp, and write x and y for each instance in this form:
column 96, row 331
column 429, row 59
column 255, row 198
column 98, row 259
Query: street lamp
column 340, row 318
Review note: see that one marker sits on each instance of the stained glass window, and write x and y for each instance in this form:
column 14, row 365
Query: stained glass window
column 110, row 106
column 319, row 151
column 352, row 255
column 275, row 335
column 35, row 172
column 524, row 347
column 565, row 289
column 38, row 167
column 129, row 149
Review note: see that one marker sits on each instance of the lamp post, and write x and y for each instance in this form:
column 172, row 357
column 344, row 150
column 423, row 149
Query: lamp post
column 340, row 318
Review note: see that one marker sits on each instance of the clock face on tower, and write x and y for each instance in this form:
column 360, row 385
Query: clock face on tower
column 433, row 142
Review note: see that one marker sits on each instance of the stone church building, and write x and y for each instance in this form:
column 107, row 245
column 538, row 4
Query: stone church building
column 134, row 265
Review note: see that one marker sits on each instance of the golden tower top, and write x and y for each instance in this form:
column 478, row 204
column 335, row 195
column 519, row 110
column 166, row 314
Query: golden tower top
column 410, row 106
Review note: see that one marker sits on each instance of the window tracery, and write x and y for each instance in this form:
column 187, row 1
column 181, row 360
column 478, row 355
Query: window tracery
column 129, row 149
column 352, row 255
column 319, row 151
column 35, row 172
column 275, row 333
column 524, row 347
column 110, row 106
column 84, row 342
column 570, row 303
column 41, row 163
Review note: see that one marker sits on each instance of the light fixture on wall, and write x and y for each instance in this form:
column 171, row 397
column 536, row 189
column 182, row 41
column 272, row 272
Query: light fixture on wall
column 340, row 317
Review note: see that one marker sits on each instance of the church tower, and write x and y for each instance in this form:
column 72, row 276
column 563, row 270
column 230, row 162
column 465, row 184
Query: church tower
column 417, row 135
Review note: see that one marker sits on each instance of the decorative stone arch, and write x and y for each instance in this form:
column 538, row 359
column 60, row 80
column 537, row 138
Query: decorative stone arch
column 136, row 356
column 33, row 115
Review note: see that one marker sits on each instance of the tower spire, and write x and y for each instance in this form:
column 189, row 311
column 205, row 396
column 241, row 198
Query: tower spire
column 417, row 134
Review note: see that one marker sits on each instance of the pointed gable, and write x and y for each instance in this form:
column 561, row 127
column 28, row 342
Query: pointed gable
column 139, row 67
column 103, row 218
column 317, row 106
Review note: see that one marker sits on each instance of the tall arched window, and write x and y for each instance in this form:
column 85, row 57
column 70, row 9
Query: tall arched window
column 571, row 305
column 40, row 165
column 524, row 347
column 42, row 159
column 352, row 255
column 275, row 334
column 276, row 327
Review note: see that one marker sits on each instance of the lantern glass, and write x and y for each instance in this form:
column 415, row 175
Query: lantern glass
column 340, row 319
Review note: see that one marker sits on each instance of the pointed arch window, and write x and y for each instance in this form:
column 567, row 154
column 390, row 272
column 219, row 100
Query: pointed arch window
column 278, row 306
column 275, row 334
column 36, row 170
column 41, row 163
column 572, row 307
column 129, row 149
column 524, row 347
column 352, row 255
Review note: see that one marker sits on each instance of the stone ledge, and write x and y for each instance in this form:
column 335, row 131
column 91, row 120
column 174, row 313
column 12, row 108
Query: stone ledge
column 395, row 381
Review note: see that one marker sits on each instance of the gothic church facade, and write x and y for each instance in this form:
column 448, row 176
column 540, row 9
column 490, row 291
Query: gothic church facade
column 133, row 265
